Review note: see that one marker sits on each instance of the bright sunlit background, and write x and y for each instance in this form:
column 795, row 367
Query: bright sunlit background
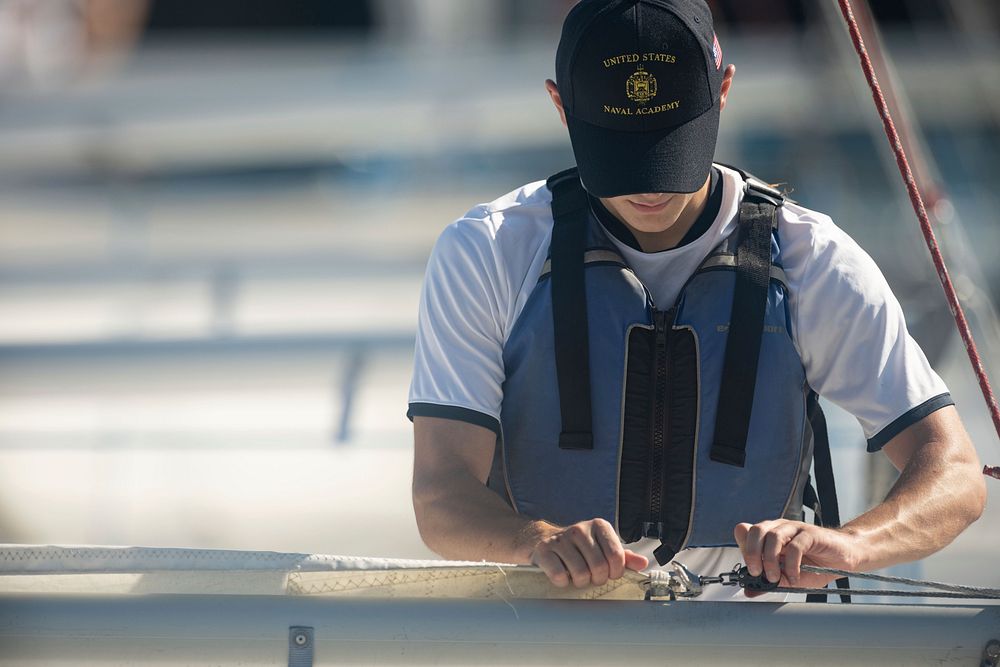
column 215, row 216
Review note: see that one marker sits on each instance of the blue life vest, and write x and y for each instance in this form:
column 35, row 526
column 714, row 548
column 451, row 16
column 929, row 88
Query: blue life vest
column 672, row 421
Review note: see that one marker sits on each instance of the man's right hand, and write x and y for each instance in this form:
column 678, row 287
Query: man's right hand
column 459, row 517
column 586, row 553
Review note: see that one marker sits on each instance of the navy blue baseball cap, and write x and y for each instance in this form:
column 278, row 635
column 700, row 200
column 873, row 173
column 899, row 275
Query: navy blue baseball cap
column 640, row 82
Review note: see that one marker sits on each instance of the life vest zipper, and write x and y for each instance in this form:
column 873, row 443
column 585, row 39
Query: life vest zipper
column 654, row 524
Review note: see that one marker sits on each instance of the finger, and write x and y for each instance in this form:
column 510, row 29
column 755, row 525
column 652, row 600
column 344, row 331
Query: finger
column 774, row 542
column 552, row 566
column 753, row 547
column 740, row 533
column 574, row 561
column 611, row 547
column 634, row 561
column 585, row 543
column 794, row 551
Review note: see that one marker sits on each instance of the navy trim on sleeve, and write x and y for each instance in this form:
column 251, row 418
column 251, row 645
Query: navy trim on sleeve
column 453, row 412
column 877, row 441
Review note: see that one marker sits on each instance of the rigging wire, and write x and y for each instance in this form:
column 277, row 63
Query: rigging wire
column 740, row 576
column 959, row 590
column 925, row 224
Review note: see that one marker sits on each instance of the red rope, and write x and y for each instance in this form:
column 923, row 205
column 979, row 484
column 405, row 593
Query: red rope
column 925, row 223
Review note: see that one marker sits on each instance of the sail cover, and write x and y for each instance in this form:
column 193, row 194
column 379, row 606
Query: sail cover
column 144, row 570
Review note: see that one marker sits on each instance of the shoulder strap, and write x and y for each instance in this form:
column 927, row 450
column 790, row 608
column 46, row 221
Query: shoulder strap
column 758, row 215
column 569, row 308
column 823, row 500
column 758, row 182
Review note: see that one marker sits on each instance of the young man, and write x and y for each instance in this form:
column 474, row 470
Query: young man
column 632, row 351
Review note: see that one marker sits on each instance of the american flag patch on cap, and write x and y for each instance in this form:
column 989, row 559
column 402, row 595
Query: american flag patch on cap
column 716, row 51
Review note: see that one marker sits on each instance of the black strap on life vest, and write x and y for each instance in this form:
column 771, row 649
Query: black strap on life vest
column 757, row 217
column 823, row 499
column 570, row 208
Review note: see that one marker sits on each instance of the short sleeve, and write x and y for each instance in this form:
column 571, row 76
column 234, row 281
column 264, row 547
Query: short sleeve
column 851, row 332
column 458, row 361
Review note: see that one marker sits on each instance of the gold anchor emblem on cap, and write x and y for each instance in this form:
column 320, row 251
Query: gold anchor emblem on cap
column 641, row 86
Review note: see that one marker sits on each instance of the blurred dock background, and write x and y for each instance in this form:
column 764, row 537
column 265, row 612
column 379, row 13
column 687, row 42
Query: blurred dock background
column 214, row 219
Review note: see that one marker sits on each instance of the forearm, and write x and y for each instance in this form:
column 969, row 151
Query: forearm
column 462, row 519
column 940, row 491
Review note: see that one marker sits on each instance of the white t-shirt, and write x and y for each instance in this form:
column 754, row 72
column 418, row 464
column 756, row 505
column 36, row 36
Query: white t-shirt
column 847, row 326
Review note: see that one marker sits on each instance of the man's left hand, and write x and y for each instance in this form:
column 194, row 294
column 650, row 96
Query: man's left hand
column 779, row 548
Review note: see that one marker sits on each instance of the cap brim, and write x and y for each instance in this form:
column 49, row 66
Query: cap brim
column 614, row 163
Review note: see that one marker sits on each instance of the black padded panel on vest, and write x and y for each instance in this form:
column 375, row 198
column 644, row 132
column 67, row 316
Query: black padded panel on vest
column 826, row 488
column 677, row 475
column 570, row 209
column 633, row 503
column 746, row 326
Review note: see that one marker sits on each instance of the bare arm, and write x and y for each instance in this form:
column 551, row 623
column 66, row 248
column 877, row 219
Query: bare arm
column 939, row 493
column 457, row 514
column 460, row 517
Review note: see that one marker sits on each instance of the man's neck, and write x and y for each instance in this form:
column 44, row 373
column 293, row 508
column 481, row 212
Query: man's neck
column 679, row 227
